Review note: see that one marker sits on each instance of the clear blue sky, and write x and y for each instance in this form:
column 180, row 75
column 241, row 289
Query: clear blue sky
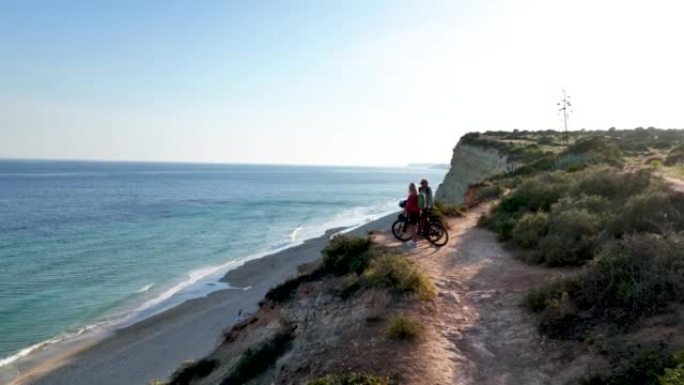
column 322, row 82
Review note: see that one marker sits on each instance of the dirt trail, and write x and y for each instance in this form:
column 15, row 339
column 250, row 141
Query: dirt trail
column 676, row 184
column 478, row 333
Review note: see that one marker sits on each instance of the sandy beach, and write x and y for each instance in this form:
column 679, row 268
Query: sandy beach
column 154, row 347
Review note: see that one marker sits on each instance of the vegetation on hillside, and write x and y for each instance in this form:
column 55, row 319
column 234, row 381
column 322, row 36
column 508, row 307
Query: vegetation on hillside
column 351, row 267
column 588, row 205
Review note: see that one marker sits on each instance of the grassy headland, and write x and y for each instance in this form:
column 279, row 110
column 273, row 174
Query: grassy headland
column 599, row 205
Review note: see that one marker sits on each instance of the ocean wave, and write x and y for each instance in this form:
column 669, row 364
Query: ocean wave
column 293, row 235
column 63, row 337
column 145, row 288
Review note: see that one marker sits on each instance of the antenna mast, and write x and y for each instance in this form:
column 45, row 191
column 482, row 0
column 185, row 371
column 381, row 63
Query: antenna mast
column 563, row 106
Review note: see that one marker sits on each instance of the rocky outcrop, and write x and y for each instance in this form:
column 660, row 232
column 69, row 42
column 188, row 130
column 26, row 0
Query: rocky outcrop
column 471, row 163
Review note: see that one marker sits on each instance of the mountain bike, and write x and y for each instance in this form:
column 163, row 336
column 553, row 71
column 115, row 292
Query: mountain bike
column 431, row 228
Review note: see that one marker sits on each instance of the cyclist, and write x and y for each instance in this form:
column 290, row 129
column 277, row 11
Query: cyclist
column 413, row 213
column 425, row 201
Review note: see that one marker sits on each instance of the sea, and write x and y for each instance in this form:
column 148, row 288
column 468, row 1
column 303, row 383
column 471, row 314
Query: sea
column 87, row 245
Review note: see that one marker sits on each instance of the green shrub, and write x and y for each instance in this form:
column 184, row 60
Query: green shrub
column 596, row 149
column 545, row 163
column 649, row 211
column 191, row 371
column 675, row 374
column 396, row 273
column 402, row 328
column 284, row 291
column 611, row 183
column 633, row 365
column 592, row 203
column 571, row 237
column 584, row 209
column 535, row 194
column 346, row 254
column 571, row 162
column 628, row 278
column 529, row 229
column 351, row 379
column 256, row 360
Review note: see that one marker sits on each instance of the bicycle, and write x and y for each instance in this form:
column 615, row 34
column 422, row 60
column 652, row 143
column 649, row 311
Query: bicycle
column 431, row 228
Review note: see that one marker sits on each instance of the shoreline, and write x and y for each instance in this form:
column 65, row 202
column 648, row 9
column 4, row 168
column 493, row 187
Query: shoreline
column 154, row 346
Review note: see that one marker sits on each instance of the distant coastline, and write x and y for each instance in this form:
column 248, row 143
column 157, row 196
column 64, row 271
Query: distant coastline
column 432, row 166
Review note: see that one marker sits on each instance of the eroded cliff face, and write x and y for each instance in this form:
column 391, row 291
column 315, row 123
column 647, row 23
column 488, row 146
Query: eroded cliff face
column 471, row 164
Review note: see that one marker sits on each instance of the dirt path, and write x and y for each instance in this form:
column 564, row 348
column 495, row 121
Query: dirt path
column 676, row 184
column 479, row 334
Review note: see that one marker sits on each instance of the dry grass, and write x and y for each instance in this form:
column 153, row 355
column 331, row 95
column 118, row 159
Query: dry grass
column 403, row 328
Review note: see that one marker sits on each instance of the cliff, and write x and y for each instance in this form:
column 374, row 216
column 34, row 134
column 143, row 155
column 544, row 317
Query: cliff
column 472, row 162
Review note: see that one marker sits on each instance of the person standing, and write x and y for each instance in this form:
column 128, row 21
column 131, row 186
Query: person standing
column 426, row 201
column 413, row 214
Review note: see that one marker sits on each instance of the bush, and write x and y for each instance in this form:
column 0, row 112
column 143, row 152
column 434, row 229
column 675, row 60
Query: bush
column 628, row 278
column 256, row 360
column 596, row 149
column 650, row 211
column 399, row 275
column 286, row 290
column 351, row 379
column 675, row 374
column 535, row 194
column 192, row 370
column 529, row 229
column 592, row 203
column 402, row 328
column 610, row 183
column 584, row 209
column 571, row 237
column 345, row 254
column 634, row 365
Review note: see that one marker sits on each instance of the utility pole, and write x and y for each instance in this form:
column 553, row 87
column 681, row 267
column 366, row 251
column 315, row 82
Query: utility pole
column 563, row 106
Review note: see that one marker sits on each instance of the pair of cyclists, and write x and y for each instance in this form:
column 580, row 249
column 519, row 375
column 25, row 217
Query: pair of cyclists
column 418, row 205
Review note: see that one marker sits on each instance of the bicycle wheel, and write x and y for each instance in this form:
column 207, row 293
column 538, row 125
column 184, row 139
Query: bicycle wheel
column 437, row 234
column 400, row 230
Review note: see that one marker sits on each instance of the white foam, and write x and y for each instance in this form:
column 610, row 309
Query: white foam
column 63, row 337
column 293, row 235
column 145, row 288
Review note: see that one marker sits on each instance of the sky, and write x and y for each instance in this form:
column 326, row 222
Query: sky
column 354, row 82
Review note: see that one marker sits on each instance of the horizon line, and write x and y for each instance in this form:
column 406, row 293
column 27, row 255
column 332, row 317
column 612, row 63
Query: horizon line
column 226, row 163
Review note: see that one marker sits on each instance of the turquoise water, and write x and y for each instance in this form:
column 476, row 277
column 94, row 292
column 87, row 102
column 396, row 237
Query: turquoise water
column 83, row 242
